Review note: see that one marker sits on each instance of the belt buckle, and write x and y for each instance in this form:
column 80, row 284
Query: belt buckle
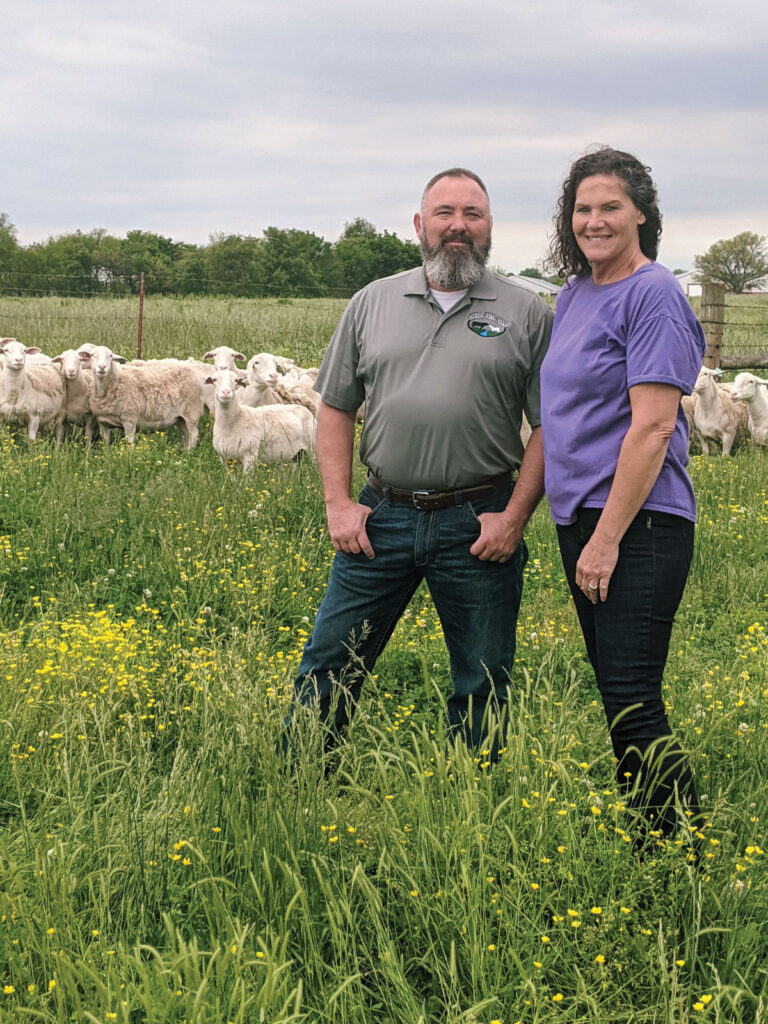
column 417, row 496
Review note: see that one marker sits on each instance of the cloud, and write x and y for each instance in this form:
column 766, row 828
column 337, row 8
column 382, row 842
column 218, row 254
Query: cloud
column 186, row 118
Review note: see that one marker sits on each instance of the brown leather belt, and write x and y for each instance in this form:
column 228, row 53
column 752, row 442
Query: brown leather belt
column 431, row 501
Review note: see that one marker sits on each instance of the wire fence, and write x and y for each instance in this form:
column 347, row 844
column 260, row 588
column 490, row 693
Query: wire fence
column 736, row 327
column 180, row 327
column 30, row 284
column 299, row 326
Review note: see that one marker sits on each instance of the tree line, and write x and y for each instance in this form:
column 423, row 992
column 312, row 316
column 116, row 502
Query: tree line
column 285, row 262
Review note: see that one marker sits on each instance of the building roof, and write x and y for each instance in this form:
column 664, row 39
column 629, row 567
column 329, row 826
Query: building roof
column 535, row 284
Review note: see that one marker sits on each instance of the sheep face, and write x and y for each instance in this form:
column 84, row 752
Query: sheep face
column 15, row 354
column 746, row 387
column 100, row 361
column 70, row 364
column 226, row 383
column 223, row 358
column 262, row 369
column 705, row 379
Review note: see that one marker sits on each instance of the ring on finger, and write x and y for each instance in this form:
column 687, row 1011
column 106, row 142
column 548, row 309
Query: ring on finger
column 593, row 585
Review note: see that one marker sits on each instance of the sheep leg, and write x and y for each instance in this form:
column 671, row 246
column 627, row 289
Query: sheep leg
column 188, row 431
column 34, row 423
column 130, row 432
column 728, row 440
column 104, row 431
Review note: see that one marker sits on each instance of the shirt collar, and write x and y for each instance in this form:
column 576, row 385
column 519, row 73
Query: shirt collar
column 416, row 284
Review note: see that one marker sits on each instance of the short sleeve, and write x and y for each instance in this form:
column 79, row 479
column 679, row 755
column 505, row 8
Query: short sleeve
column 337, row 382
column 540, row 318
column 664, row 350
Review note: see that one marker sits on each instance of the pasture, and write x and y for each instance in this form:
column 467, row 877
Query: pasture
column 158, row 865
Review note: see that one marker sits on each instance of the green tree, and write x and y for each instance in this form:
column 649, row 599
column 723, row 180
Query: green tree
column 63, row 264
column 299, row 263
column 9, row 246
column 739, row 262
column 234, row 266
column 366, row 255
column 532, row 272
column 152, row 254
column 188, row 275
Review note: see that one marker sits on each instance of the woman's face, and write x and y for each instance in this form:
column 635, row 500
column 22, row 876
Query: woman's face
column 605, row 224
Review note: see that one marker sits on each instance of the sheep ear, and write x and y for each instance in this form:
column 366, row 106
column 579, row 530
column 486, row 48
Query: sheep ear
column 119, row 359
column 32, row 350
column 56, row 359
column 238, row 357
column 85, row 355
column 241, row 382
column 209, row 380
column 718, row 372
column 208, row 355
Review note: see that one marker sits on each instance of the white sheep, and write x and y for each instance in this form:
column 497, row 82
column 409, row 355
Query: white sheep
column 146, row 396
column 78, row 387
column 223, row 358
column 688, row 404
column 715, row 415
column 751, row 389
column 298, row 394
column 29, row 394
column 35, row 355
column 262, row 373
column 269, row 432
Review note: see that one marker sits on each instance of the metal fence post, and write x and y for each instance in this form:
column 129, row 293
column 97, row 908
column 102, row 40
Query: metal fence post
column 712, row 320
column 141, row 314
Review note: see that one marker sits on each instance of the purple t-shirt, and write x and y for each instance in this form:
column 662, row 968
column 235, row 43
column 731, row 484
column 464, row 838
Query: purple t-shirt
column 607, row 338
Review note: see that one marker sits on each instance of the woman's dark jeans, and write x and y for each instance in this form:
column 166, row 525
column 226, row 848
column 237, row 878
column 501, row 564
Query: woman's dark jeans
column 627, row 638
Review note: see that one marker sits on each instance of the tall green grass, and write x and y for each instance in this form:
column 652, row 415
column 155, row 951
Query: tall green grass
column 159, row 864
column 300, row 328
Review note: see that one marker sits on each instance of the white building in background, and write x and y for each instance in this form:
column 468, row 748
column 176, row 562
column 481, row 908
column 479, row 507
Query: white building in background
column 689, row 282
column 537, row 285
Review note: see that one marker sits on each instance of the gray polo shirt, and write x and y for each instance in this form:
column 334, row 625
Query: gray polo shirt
column 444, row 392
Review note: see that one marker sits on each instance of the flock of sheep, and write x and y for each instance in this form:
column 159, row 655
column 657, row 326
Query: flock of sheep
column 731, row 413
column 266, row 412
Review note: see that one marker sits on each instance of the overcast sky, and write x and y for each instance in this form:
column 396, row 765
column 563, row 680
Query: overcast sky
column 188, row 118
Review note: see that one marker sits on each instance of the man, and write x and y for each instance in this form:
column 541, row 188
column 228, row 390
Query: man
column 446, row 358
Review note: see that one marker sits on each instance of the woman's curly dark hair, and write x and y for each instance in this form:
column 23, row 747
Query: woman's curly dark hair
column 565, row 257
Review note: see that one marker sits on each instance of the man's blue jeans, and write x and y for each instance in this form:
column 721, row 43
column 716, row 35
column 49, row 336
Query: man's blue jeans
column 627, row 638
column 478, row 604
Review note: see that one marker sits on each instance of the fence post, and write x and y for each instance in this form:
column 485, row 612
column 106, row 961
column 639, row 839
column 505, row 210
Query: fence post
column 712, row 320
column 141, row 314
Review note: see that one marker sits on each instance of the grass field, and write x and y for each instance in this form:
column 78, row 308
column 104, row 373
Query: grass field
column 157, row 865
column 300, row 328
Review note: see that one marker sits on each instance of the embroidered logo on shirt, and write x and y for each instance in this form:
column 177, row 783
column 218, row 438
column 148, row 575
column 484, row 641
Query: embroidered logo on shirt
column 487, row 325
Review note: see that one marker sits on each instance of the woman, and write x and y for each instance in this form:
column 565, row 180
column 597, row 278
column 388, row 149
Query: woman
column 625, row 347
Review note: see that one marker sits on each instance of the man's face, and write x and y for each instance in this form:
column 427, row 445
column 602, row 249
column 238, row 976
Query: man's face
column 454, row 228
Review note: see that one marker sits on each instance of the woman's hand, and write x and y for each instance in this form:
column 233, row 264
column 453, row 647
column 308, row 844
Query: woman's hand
column 595, row 568
column 654, row 413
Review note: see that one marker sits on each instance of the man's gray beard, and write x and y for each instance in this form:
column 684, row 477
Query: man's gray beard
column 452, row 270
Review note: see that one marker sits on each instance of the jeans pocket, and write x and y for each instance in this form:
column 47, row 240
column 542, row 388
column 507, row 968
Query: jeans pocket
column 375, row 502
column 495, row 502
column 471, row 514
